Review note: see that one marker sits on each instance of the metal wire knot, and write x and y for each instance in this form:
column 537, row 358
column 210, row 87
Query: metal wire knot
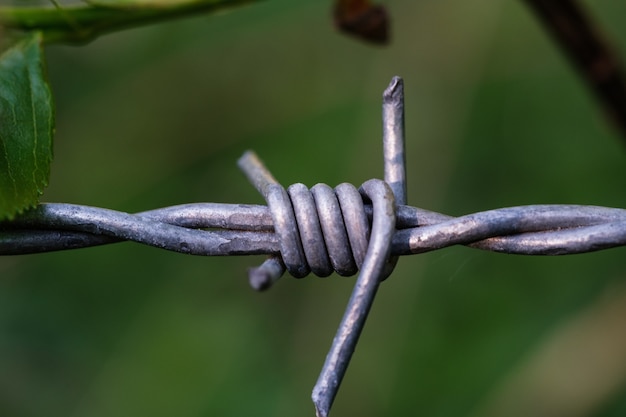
column 320, row 230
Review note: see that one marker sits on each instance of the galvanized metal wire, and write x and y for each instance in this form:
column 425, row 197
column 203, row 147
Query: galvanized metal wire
column 323, row 230
column 214, row 229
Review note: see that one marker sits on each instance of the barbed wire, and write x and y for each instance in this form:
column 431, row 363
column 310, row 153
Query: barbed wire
column 241, row 229
column 323, row 230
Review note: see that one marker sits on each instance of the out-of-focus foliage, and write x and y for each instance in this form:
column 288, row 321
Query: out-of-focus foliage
column 158, row 116
column 27, row 125
column 26, row 105
column 82, row 22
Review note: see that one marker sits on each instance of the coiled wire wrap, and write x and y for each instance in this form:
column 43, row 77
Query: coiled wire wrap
column 320, row 230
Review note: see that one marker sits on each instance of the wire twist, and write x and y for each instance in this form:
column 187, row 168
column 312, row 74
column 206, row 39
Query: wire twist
column 243, row 229
column 320, row 230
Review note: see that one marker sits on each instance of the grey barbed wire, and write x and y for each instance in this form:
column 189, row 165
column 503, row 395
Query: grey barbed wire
column 322, row 230
column 554, row 229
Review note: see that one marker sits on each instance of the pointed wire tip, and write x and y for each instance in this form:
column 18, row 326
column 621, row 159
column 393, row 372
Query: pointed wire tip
column 320, row 412
column 322, row 400
column 247, row 156
column 264, row 276
column 394, row 90
column 256, row 172
column 259, row 280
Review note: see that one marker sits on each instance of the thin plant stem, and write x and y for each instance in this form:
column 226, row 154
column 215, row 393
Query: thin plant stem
column 83, row 23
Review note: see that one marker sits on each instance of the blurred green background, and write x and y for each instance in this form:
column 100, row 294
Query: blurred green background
column 157, row 116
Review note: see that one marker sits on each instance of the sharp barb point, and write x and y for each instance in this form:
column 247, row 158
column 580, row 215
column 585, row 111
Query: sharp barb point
column 394, row 90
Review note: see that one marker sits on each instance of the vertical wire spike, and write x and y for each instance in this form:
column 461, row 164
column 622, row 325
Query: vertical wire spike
column 362, row 297
column 393, row 149
column 393, row 139
column 385, row 196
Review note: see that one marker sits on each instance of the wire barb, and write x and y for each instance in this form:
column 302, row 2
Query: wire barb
column 393, row 139
column 361, row 299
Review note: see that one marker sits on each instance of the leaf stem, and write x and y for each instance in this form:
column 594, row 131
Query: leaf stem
column 84, row 23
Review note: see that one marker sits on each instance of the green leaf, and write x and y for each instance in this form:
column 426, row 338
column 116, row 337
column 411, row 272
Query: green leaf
column 26, row 126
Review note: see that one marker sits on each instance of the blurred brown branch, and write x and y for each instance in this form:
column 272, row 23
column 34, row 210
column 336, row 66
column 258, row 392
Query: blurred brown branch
column 592, row 55
column 362, row 19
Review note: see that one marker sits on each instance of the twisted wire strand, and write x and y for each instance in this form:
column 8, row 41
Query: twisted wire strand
column 240, row 229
